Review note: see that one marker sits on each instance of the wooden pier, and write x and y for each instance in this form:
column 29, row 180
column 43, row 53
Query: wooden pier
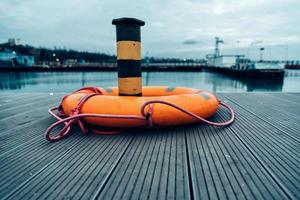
column 257, row 157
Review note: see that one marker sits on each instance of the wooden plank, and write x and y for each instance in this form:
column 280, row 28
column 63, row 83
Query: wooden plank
column 18, row 167
column 276, row 151
column 27, row 134
column 78, row 172
column 14, row 119
column 223, row 168
column 10, row 100
column 154, row 167
column 287, row 97
column 26, row 104
column 254, row 158
column 278, row 114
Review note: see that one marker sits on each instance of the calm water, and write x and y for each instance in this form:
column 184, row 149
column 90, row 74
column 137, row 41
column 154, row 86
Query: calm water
column 70, row 81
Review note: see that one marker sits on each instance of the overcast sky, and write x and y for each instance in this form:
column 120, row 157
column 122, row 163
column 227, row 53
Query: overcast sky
column 174, row 28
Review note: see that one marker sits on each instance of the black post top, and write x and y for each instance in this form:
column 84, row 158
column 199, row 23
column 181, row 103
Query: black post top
column 127, row 20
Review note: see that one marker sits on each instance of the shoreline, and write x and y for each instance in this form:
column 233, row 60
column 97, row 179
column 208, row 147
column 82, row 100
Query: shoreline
column 255, row 73
column 93, row 69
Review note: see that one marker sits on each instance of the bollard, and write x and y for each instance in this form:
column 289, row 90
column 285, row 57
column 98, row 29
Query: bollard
column 129, row 56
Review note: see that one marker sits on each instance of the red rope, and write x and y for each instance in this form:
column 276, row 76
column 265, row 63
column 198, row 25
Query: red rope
column 76, row 116
column 190, row 113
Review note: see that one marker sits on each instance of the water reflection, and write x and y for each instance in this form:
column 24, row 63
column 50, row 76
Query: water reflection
column 54, row 81
column 70, row 81
column 212, row 82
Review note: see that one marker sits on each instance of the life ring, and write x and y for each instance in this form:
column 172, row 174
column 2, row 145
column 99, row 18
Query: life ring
column 158, row 106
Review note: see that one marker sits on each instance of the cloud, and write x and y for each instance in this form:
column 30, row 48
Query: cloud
column 86, row 24
column 191, row 42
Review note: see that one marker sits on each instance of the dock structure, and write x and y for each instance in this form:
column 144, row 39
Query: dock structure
column 257, row 157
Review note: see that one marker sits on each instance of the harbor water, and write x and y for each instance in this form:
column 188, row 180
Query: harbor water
column 214, row 82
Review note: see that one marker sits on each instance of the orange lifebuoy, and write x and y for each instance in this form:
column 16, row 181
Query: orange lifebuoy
column 198, row 102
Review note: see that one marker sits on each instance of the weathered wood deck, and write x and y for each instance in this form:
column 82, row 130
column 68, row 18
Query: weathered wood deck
column 257, row 157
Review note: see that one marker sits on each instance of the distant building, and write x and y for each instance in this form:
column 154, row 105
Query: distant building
column 243, row 64
column 10, row 58
column 24, row 60
column 14, row 41
column 269, row 65
column 222, row 60
column 70, row 62
column 7, row 55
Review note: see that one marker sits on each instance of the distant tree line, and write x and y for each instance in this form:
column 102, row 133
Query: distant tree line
column 63, row 54
column 42, row 55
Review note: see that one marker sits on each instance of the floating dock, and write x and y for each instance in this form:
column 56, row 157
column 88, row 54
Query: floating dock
column 292, row 66
column 248, row 73
column 257, row 157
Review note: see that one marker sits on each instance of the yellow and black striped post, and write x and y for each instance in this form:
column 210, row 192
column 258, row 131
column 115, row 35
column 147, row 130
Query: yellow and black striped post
column 129, row 56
